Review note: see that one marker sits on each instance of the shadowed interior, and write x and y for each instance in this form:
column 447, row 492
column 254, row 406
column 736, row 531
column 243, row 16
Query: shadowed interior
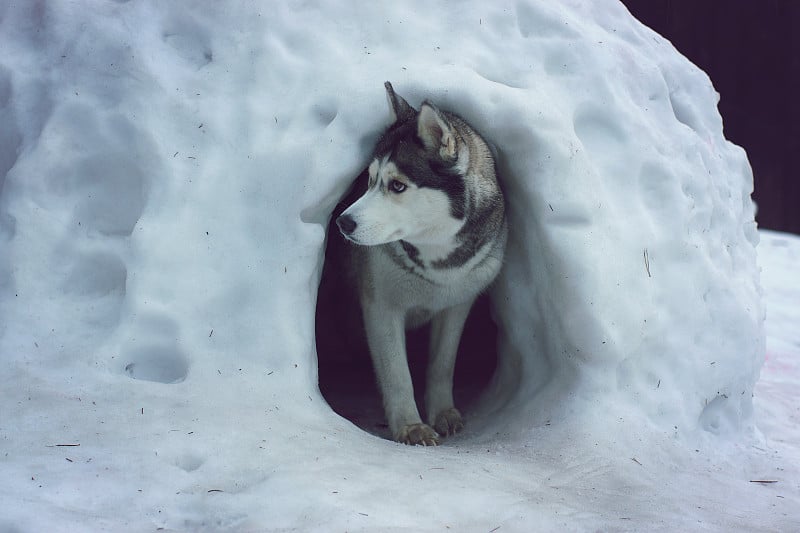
column 346, row 377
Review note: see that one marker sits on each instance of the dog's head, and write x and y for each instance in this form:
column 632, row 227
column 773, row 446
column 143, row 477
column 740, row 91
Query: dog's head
column 416, row 190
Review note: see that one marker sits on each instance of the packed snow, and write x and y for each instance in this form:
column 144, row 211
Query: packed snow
column 167, row 172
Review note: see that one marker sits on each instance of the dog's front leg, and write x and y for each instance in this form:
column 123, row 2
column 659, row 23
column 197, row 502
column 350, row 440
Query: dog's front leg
column 446, row 329
column 387, row 344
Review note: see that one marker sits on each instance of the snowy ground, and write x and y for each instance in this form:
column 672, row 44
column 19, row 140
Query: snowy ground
column 166, row 175
column 166, row 461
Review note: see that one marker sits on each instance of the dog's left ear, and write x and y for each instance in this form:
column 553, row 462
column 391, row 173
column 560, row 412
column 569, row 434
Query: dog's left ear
column 401, row 111
column 436, row 132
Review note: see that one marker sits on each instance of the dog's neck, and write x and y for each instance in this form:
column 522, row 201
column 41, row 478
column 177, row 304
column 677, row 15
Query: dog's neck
column 428, row 252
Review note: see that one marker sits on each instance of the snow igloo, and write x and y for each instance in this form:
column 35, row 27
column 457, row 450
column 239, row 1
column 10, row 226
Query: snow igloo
column 166, row 194
column 630, row 286
column 165, row 198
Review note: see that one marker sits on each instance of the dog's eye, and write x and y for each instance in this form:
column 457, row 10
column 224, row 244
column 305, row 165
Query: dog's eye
column 397, row 186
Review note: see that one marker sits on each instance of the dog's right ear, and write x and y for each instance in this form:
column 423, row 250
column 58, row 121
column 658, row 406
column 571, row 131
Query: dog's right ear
column 400, row 109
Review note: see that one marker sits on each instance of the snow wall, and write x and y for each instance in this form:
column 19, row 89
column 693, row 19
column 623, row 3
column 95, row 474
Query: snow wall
column 166, row 190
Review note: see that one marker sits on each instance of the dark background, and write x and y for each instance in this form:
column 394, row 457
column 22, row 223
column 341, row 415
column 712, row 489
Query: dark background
column 751, row 51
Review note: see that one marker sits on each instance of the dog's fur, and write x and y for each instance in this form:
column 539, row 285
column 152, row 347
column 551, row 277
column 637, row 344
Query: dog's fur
column 431, row 233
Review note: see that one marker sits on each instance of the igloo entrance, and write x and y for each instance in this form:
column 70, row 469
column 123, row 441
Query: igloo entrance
column 346, row 377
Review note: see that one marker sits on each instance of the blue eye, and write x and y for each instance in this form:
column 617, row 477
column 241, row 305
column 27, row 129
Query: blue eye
column 397, row 186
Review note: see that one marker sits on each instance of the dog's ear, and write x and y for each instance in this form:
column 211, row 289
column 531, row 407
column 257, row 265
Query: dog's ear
column 400, row 109
column 436, row 132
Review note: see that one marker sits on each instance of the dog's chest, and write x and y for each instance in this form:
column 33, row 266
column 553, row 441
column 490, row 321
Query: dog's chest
column 412, row 280
column 432, row 268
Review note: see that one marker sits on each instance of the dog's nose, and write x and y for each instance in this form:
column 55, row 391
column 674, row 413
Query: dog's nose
column 346, row 224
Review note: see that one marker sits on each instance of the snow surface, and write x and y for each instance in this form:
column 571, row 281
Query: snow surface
column 167, row 171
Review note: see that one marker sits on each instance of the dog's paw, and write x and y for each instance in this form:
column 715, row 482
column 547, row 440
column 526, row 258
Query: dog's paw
column 420, row 433
column 449, row 422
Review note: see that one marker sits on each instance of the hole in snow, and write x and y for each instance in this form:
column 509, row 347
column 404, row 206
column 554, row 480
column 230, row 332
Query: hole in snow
column 190, row 44
column 346, row 377
column 189, row 462
column 97, row 274
column 157, row 363
column 717, row 416
column 325, row 112
column 683, row 109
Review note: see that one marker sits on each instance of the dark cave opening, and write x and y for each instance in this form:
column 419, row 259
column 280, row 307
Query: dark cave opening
column 346, row 378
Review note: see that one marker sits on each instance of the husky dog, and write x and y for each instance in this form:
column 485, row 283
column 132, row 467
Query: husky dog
column 431, row 233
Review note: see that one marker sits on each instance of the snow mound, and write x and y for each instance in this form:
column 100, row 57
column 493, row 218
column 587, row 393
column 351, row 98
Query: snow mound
column 633, row 235
column 167, row 175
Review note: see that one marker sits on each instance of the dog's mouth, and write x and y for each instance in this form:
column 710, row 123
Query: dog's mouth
column 396, row 236
column 370, row 240
column 349, row 238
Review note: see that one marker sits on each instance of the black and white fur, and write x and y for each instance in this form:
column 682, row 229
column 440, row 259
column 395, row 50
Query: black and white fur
column 431, row 231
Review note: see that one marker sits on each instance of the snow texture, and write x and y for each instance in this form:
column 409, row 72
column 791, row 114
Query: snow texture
column 167, row 170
